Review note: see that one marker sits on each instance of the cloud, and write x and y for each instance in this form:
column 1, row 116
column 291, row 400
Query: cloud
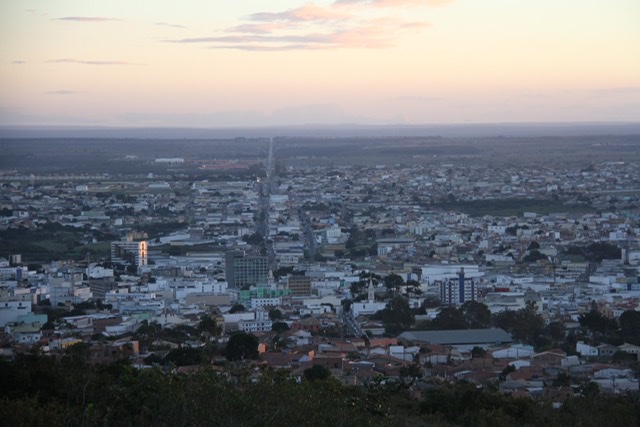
column 363, row 37
column 262, row 28
column 311, row 27
column 85, row 19
column 266, row 48
column 61, row 92
column 393, row 3
column 307, row 13
column 164, row 24
column 89, row 62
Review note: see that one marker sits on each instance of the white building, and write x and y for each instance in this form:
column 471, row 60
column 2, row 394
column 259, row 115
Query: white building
column 586, row 350
column 11, row 310
column 250, row 326
column 370, row 306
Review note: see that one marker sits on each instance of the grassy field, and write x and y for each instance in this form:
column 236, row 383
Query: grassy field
column 44, row 246
column 512, row 207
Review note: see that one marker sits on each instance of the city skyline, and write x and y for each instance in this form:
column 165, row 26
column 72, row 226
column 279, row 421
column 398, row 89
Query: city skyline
column 217, row 64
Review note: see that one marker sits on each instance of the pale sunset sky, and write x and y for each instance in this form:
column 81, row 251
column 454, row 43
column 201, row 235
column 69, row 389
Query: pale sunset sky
column 215, row 63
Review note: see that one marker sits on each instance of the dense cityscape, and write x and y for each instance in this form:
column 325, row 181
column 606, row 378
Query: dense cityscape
column 411, row 278
column 319, row 213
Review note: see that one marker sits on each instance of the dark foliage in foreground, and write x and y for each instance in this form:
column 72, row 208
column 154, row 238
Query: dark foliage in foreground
column 37, row 390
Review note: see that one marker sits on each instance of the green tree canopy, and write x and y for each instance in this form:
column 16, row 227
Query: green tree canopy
column 630, row 326
column 242, row 346
column 533, row 256
column 476, row 314
column 431, row 301
column 237, row 308
column 394, row 282
column 556, row 331
column 602, row 250
column 208, row 327
column 597, row 322
column 316, row 373
column 275, row 314
column 525, row 325
column 279, row 327
column 185, row 356
column 397, row 316
column 450, row 318
column 39, row 390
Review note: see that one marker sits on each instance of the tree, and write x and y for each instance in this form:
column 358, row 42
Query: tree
column 502, row 377
column 525, row 325
column 346, row 304
column 478, row 352
column 602, row 250
column 533, row 256
column 431, row 301
column 77, row 354
column 630, row 326
column 282, row 272
column 357, row 287
column 413, row 286
column 278, row 342
column 38, row 389
column 476, row 315
column 208, row 327
column 275, row 314
column 562, row 380
column 236, row 308
column 396, row 316
column 590, row 390
column 185, row 356
column 620, row 356
column 147, row 333
column 242, row 346
column 255, row 239
column 411, row 372
column 279, row 327
column 556, row 331
column 316, row 373
column 533, row 245
column 34, row 267
column 393, row 282
column 597, row 322
column 450, row 318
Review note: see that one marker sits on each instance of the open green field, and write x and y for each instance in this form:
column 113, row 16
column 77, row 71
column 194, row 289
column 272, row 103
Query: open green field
column 45, row 245
column 512, row 207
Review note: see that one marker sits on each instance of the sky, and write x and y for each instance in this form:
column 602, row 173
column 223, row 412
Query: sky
column 222, row 63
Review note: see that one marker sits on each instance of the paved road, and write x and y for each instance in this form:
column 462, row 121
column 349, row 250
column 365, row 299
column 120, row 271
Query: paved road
column 265, row 189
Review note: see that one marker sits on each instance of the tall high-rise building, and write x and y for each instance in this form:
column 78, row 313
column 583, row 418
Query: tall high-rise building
column 457, row 292
column 129, row 253
column 244, row 271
